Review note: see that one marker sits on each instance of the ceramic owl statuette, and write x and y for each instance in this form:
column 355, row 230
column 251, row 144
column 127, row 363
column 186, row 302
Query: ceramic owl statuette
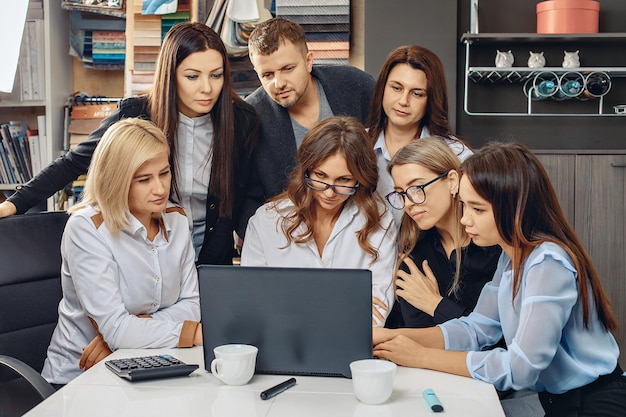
column 571, row 60
column 536, row 60
column 504, row 59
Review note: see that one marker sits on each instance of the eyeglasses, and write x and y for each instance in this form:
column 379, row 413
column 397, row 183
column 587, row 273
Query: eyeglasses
column 415, row 193
column 323, row 186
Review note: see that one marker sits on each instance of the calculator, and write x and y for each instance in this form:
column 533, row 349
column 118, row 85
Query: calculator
column 149, row 367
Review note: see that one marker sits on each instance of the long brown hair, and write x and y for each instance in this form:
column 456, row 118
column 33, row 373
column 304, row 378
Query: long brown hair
column 436, row 116
column 347, row 137
column 527, row 213
column 434, row 155
column 181, row 41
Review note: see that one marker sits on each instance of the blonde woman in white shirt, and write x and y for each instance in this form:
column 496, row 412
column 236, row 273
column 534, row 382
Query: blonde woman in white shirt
column 331, row 215
column 128, row 273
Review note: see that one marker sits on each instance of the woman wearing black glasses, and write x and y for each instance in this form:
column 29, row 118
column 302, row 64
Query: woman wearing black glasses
column 443, row 272
column 331, row 215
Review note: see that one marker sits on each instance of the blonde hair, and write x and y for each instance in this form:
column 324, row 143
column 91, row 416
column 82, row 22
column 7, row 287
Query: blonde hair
column 435, row 155
column 124, row 147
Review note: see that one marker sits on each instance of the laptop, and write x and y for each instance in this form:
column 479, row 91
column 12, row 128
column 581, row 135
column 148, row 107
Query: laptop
column 305, row 321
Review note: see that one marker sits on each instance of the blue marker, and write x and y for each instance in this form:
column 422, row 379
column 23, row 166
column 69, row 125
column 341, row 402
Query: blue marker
column 431, row 400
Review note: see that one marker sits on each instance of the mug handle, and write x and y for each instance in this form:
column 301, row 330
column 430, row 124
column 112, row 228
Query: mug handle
column 214, row 364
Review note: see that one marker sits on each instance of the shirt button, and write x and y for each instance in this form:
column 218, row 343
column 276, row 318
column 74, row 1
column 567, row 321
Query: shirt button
column 212, row 206
column 210, row 229
column 158, row 278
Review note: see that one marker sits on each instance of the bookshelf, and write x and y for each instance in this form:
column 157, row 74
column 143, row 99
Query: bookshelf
column 57, row 70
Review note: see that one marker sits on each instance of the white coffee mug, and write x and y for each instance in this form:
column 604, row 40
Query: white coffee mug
column 234, row 364
column 372, row 380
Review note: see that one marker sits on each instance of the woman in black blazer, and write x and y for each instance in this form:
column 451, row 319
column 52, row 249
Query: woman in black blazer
column 211, row 131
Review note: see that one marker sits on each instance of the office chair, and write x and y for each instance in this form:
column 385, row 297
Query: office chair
column 30, row 291
column 21, row 387
column 30, row 284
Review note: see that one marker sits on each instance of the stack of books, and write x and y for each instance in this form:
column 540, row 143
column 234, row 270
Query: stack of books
column 109, row 49
column 326, row 24
column 20, row 152
column 98, row 40
column 148, row 33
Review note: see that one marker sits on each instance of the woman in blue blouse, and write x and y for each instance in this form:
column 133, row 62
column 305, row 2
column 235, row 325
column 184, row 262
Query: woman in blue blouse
column 545, row 299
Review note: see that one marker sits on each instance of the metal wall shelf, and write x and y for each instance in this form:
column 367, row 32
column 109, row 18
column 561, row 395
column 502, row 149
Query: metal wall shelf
column 513, row 75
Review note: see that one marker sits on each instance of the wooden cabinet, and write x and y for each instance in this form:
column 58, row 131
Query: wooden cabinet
column 591, row 186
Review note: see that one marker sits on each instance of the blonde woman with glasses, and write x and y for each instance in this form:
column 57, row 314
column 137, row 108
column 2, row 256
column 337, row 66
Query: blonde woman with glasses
column 442, row 271
column 331, row 215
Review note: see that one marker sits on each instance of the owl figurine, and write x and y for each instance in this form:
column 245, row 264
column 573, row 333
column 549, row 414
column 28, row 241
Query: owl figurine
column 536, row 60
column 571, row 60
column 504, row 59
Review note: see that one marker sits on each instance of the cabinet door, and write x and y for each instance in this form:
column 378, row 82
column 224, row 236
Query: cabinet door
column 561, row 170
column 600, row 224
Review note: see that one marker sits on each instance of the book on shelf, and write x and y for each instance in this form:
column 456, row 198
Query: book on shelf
column 36, row 52
column 24, row 67
column 5, row 166
column 35, row 152
column 18, row 131
column 13, row 166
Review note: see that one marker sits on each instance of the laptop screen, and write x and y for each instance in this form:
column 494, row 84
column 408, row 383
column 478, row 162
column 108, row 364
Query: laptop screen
column 305, row 321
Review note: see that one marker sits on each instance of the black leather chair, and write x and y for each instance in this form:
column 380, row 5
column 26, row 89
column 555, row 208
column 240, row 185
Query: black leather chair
column 30, row 291
column 21, row 387
column 30, row 284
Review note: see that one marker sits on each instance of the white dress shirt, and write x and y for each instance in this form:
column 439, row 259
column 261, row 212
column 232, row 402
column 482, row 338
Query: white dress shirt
column 113, row 280
column 266, row 245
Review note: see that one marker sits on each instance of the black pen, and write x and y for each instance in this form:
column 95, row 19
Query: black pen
column 275, row 390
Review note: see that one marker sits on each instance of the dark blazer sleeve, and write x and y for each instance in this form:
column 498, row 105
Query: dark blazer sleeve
column 69, row 166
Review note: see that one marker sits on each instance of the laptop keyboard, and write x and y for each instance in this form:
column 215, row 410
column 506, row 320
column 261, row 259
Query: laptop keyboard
column 149, row 367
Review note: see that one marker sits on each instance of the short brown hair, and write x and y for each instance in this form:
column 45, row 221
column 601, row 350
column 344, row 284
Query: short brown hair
column 267, row 37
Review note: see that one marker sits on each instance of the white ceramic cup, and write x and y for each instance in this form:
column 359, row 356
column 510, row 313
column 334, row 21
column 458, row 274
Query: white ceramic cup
column 234, row 364
column 372, row 380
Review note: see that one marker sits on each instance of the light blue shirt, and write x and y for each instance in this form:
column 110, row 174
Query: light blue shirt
column 385, row 181
column 548, row 347
column 113, row 280
column 266, row 245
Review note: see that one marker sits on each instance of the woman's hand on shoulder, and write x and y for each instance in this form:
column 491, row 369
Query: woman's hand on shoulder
column 7, row 209
column 421, row 290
